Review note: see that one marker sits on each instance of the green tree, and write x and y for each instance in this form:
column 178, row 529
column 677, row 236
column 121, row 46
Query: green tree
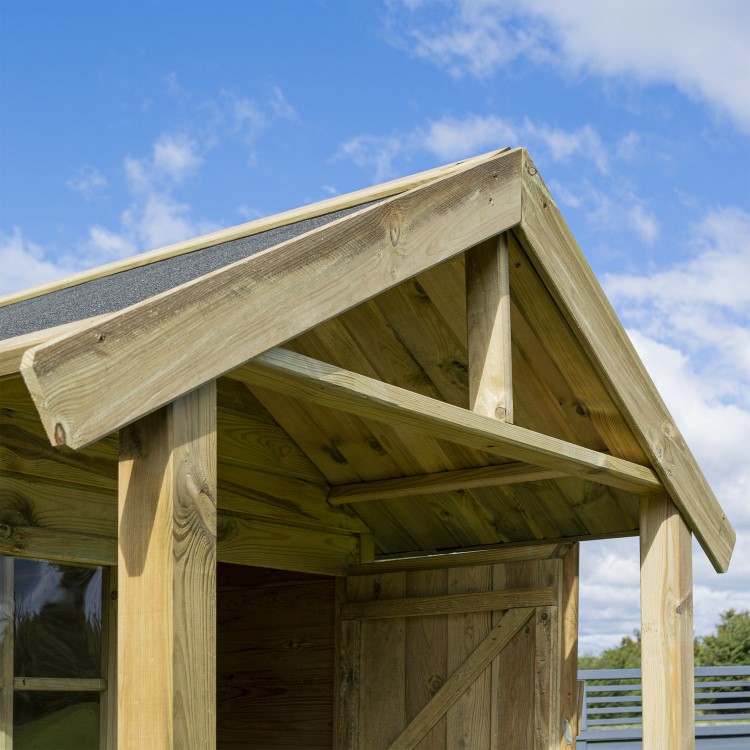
column 625, row 656
column 729, row 647
column 731, row 644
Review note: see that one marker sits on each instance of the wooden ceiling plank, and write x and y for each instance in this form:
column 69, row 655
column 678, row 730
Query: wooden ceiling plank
column 148, row 354
column 445, row 481
column 335, row 388
column 560, row 264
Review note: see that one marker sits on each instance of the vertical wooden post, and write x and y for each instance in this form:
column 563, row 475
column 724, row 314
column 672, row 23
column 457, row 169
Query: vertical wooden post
column 166, row 645
column 6, row 653
column 488, row 320
column 569, row 646
column 666, row 627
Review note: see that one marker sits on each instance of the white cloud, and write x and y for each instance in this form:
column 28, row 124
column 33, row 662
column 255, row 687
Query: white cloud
column 690, row 323
column 375, row 153
column 699, row 47
column 25, row 263
column 173, row 158
column 451, row 138
column 280, row 106
column 88, row 181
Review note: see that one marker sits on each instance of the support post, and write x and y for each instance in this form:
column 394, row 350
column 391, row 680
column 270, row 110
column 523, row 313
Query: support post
column 166, row 650
column 488, row 320
column 666, row 627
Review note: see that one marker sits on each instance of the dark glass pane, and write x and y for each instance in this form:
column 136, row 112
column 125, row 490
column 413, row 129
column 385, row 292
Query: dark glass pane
column 58, row 617
column 55, row 721
column 6, row 608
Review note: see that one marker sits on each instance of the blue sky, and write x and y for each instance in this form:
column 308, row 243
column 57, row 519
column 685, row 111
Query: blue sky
column 130, row 125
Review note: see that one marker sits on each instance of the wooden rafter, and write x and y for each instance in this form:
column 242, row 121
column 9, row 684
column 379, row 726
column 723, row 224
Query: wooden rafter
column 442, row 481
column 151, row 353
column 301, row 377
column 558, row 260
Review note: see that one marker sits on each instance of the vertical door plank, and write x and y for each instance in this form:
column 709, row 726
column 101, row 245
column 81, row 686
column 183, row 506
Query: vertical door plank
column 347, row 732
column 426, row 654
column 468, row 724
column 666, row 627
column 382, row 716
column 108, row 698
column 515, row 686
column 167, row 577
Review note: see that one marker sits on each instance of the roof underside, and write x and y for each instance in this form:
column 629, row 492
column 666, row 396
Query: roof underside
column 412, row 335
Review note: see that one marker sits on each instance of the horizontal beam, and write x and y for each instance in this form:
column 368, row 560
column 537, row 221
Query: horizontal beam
column 449, row 604
column 94, row 381
column 304, row 378
column 442, row 481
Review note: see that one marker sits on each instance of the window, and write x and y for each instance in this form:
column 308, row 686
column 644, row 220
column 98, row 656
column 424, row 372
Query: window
column 55, row 640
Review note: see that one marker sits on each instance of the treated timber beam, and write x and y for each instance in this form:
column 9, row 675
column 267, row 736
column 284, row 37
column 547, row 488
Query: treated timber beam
column 248, row 229
column 449, row 604
column 457, row 684
column 443, row 481
column 301, row 377
column 460, row 557
column 488, row 329
column 560, row 263
column 166, row 640
column 666, row 627
column 141, row 358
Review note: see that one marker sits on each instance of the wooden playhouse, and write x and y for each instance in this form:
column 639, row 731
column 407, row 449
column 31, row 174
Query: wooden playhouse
column 390, row 418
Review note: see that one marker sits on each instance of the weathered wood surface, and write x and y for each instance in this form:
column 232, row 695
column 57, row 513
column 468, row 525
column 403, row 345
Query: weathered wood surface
column 300, row 376
column 489, row 331
column 275, row 659
column 449, row 604
column 166, row 646
column 443, row 481
column 340, row 264
column 666, row 627
column 560, row 263
column 455, row 686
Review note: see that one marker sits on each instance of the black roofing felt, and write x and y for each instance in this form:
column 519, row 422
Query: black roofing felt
column 120, row 290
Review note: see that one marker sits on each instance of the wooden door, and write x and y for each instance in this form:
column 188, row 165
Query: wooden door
column 465, row 658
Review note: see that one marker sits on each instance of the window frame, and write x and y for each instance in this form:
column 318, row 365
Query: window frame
column 105, row 685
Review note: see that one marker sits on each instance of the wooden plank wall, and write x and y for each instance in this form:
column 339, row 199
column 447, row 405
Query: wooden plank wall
column 519, row 701
column 275, row 647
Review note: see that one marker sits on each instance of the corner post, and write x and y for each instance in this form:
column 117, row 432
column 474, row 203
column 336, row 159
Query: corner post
column 666, row 627
column 166, row 651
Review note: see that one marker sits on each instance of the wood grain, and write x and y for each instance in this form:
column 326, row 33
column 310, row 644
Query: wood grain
column 666, row 627
column 167, row 577
column 443, row 481
column 462, row 678
column 139, row 356
column 449, row 604
column 489, row 334
column 300, row 376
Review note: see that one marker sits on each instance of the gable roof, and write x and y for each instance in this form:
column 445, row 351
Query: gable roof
column 145, row 355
